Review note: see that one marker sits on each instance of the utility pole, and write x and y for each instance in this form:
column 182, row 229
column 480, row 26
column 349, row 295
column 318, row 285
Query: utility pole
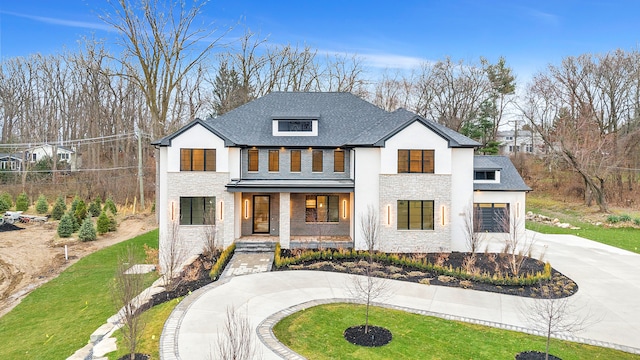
column 140, row 175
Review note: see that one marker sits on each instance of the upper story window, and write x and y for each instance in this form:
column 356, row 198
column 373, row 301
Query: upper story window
column 296, row 156
column 274, row 160
column 338, row 161
column 484, row 175
column 253, row 160
column 295, row 125
column 316, row 161
column 415, row 161
column 197, row 159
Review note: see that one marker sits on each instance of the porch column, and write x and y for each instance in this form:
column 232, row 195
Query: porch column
column 285, row 220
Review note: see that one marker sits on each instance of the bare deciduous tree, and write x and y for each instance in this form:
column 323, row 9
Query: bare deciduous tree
column 555, row 316
column 173, row 256
column 236, row 342
column 472, row 228
column 125, row 290
column 518, row 245
column 211, row 246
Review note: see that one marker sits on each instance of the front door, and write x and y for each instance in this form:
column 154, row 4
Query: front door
column 261, row 214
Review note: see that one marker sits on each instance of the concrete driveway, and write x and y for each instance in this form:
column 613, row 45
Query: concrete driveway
column 608, row 280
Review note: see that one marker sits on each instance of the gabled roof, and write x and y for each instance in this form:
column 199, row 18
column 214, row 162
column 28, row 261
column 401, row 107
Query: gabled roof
column 11, row 156
column 166, row 141
column 510, row 179
column 58, row 148
column 344, row 119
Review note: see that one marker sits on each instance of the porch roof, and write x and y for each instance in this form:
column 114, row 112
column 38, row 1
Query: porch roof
column 291, row 185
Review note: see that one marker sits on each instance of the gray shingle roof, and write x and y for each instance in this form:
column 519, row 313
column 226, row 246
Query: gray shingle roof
column 344, row 119
column 510, row 179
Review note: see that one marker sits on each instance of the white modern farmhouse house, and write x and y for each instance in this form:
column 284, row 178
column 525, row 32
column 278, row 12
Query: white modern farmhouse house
column 304, row 167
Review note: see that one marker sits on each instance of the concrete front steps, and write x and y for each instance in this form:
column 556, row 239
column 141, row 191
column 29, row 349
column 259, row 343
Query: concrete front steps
column 255, row 247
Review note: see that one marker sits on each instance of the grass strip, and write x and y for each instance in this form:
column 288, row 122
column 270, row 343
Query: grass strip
column 316, row 333
column 56, row 319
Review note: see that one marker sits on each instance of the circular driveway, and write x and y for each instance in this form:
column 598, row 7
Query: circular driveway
column 608, row 280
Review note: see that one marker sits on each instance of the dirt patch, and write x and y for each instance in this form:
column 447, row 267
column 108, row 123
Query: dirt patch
column 35, row 255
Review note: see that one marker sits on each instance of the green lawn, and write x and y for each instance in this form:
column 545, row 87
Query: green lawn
column 56, row 319
column 627, row 238
column 154, row 320
column 316, row 333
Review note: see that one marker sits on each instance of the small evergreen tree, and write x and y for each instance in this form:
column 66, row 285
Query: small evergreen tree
column 42, row 206
column 74, row 204
column 75, row 223
column 4, row 205
column 81, row 211
column 87, row 230
column 94, row 209
column 103, row 223
column 111, row 206
column 6, row 199
column 22, row 202
column 58, row 209
column 113, row 225
column 65, row 227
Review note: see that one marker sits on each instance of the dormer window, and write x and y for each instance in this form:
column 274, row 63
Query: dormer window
column 295, row 125
column 484, row 175
column 303, row 125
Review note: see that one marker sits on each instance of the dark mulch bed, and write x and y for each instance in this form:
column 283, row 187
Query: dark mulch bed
column 376, row 336
column 534, row 355
column 195, row 276
column 9, row 227
column 137, row 357
column 559, row 286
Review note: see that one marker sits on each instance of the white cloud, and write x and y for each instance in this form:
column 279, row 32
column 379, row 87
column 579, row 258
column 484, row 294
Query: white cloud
column 63, row 22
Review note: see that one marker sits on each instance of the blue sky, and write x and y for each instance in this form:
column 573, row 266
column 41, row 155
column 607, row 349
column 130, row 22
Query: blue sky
column 387, row 34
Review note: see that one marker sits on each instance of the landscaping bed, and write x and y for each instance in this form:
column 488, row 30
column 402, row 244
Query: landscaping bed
column 489, row 271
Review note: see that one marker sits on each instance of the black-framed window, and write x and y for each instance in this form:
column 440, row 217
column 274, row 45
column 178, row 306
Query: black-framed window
column 197, row 210
column 491, row 217
column 274, row 160
column 322, row 208
column 415, row 214
column 316, row 161
column 252, row 158
column 338, row 161
column 295, row 125
column 197, row 159
column 416, row 161
column 484, row 175
column 296, row 156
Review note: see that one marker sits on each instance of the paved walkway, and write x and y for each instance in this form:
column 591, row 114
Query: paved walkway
column 609, row 281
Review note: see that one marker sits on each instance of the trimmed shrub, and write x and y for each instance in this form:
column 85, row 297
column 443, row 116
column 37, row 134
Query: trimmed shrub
column 613, row 219
column 87, row 230
column 65, row 227
column 111, row 206
column 81, row 211
column 94, row 209
column 103, row 223
column 625, row 218
column 58, row 209
column 7, row 200
column 42, row 206
column 22, row 202
column 224, row 258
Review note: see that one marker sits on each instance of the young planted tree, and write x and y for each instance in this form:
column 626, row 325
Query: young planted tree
column 87, row 231
column 103, row 223
column 110, row 206
column 555, row 316
column 236, row 342
column 210, row 230
column 42, row 206
column 58, row 208
column 472, row 228
column 22, row 202
column 125, row 289
column 94, row 209
column 65, row 227
column 81, row 211
column 518, row 245
column 5, row 204
column 173, row 256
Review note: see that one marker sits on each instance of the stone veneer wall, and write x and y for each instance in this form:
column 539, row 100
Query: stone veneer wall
column 415, row 187
column 199, row 184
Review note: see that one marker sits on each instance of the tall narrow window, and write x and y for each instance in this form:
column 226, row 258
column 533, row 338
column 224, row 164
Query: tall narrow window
column 253, row 160
column 415, row 214
column 338, row 161
column 317, row 161
column 295, row 160
column 197, row 159
column 415, row 161
column 274, row 160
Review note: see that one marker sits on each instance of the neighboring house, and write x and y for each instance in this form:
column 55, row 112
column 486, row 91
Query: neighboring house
column 301, row 166
column 63, row 154
column 521, row 141
column 10, row 162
